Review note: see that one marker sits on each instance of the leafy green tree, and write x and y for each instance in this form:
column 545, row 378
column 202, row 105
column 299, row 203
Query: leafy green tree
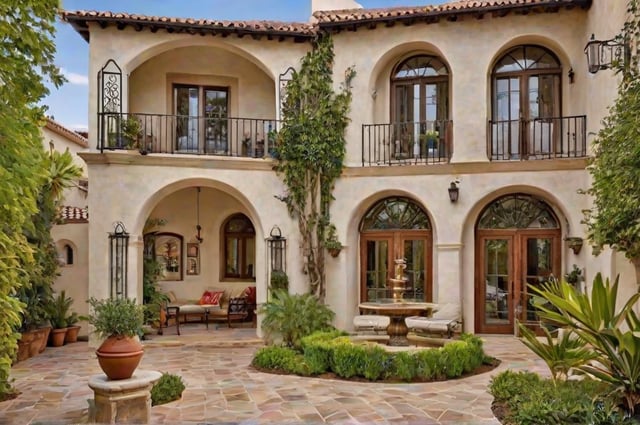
column 310, row 152
column 614, row 219
column 27, row 51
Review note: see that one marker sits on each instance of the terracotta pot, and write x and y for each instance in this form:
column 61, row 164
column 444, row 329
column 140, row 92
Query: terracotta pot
column 24, row 344
column 119, row 356
column 72, row 334
column 44, row 332
column 334, row 252
column 56, row 337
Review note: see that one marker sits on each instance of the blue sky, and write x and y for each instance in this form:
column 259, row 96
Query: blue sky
column 69, row 104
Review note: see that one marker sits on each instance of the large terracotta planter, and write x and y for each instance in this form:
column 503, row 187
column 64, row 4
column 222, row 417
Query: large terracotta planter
column 72, row 334
column 24, row 344
column 119, row 356
column 56, row 337
column 44, row 337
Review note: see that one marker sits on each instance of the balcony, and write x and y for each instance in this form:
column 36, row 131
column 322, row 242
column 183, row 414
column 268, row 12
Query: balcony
column 406, row 143
column 540, row 138
column 193, row 135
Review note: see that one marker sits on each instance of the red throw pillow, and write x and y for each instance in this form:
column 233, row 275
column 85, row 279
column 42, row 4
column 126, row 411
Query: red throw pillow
column 205, row 298
column 216, row 297
column 250, row 293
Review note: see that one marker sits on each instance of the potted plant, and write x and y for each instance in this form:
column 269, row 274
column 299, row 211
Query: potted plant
column 574, row 277
column 72, row 328
column 120, row 321
column 58, row 313
column 331, row 242
column 429, row 142
column 131, row 131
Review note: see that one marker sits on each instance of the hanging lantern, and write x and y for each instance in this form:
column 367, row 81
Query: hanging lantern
column 277, row 250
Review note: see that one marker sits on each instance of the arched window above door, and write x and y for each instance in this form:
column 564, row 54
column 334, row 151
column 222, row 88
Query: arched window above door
column 518, row 211
column 526, row 58
column 395, row 213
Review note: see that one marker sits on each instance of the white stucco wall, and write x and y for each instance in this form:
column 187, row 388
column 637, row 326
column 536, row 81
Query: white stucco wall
column 131, row 188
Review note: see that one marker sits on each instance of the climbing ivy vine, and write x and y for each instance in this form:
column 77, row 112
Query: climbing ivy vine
column 310, row 153
column 614, row 219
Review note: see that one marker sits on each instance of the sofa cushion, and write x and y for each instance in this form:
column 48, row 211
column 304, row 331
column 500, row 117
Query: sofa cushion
column 211, row 298
column 172, row 296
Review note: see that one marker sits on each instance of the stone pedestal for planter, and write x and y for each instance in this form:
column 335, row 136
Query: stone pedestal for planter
column 123, row 401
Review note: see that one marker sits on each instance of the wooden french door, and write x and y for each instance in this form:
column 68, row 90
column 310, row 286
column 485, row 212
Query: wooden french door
column 507, row 263
column 378, row 251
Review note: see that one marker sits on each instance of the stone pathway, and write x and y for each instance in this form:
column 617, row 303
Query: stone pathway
column 222, row 389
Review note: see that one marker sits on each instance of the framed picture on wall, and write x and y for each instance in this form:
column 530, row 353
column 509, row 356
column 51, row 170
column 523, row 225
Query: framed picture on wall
column 168, row 250
column 193, row 266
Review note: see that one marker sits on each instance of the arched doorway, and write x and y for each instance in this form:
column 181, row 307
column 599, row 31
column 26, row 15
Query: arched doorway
column 517, row 244
column 395, row 227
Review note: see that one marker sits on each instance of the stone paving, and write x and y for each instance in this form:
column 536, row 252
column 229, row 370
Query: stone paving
column 221, row 388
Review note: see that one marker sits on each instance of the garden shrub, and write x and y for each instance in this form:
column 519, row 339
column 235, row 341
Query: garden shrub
column 532, row 400
column 428, row 365
column 348, row 359
column 403, row 366
column 317, row 350
column 375, row 362
column 168, row 388
column 280, row 358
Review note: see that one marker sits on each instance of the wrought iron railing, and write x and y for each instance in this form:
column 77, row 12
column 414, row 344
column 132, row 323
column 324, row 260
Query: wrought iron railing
column 540, row 138
column 180, row 134
column 423, row 142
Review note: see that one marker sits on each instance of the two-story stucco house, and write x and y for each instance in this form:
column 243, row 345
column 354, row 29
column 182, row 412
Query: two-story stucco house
column 493, row 97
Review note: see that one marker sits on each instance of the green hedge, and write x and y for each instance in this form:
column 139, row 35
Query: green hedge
column 324, row 352
column 531, row 400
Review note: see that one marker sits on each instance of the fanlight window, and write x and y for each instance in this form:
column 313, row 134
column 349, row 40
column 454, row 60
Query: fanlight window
column 420, row 66
column 523, row 58
column 518, row 211
column 395, row 213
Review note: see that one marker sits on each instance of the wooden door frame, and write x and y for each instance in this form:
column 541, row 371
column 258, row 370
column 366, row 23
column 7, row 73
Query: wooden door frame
column 396, row 236
column 517, row 270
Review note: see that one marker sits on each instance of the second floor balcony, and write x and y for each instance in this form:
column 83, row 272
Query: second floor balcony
column 400, row 143
column 186, row 134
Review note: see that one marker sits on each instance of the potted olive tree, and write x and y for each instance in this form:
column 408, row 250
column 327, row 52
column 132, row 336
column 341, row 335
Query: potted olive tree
column 119, row 321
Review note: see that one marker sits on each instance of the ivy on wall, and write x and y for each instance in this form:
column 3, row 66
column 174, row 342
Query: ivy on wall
column 310, row 152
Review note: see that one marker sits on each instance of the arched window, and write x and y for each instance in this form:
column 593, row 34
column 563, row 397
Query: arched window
column 239, row 247
column 68, row 254
column 420, row 105
column 395, row 227
column 526, row 101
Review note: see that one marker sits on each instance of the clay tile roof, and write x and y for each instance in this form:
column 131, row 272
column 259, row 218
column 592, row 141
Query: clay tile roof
column 65, row 132
column 272, row 29
column 74, row 215
column 451, row 10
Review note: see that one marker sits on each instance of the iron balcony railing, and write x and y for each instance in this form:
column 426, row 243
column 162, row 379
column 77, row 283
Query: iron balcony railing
column 423, row 142
column 540, row 138
column 179, row 134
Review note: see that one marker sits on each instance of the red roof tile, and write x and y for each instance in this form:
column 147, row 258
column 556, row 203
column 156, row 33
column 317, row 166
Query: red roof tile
column 65, row 132
column 296, row 30
column 336, row 18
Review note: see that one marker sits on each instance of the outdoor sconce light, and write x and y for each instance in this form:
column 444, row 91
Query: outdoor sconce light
column 603, row 54
column 574, row 243
column 454, row 191
column 277, row 249
column 118, row 250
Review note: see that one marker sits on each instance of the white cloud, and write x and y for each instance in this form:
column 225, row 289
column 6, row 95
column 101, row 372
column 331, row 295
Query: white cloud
column 79, row 79
column 78, row 127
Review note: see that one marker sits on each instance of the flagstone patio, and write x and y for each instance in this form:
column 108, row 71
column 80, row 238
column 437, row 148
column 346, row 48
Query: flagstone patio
column 222, row 388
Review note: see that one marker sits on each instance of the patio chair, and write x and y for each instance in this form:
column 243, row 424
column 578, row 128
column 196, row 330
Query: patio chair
column 447, row 319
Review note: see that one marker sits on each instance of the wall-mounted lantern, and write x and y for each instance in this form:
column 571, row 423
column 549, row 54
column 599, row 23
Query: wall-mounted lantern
column 277, row 245
column 118, row 250
column 603, row 54
column 454, row 191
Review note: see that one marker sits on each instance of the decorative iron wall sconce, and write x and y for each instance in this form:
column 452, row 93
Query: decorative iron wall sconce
column 454, row 191
column 571, row 74
column 277, row 245
column 574, row 243
column 118, row 257
column 603, row 54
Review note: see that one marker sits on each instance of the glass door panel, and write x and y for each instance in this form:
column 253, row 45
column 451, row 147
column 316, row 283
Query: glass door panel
column 414, row 254
column 538, row 267
column 215, row 112
column 498, row 280
column 186, row 118
column 377, row 262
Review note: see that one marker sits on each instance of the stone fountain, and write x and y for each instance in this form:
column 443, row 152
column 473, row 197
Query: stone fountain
column 398, row 283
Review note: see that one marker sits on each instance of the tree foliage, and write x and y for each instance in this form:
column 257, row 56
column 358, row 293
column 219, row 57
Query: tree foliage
column 614, row 219
column 310, row 152
column 27, row 51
